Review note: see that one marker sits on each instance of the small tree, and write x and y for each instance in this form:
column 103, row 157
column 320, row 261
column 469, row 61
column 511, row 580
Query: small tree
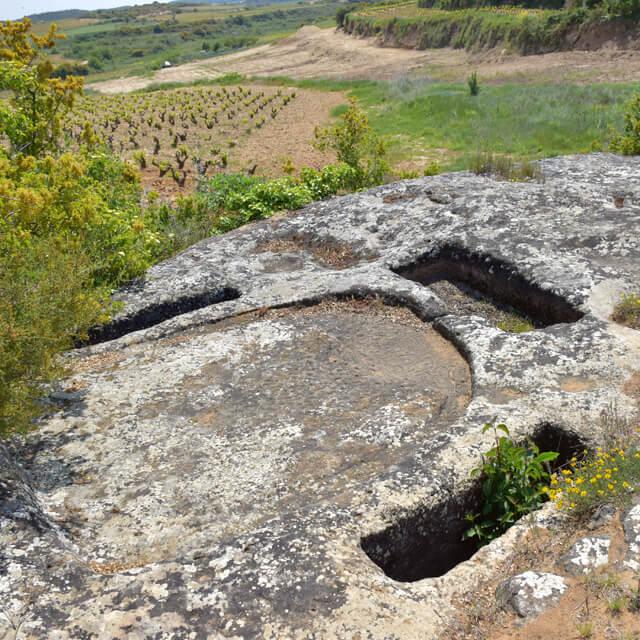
column 341, row 14
column 474, row 84
column 356, row 144
column 32, row 117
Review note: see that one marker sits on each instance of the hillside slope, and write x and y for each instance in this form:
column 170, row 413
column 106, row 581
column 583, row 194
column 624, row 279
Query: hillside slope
column 326, row 53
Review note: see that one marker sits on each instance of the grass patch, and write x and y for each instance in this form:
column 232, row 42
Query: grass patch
column 513, row 323
column 490, row 164
column 627, row 311
column 523, row 121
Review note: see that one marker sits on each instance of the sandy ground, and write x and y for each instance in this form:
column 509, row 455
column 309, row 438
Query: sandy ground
column 587, row 609
column 327, row 53
column 604, row 65
column 309, row 53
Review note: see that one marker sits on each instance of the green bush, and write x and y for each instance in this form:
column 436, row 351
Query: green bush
column 34, row 101
column 71, row 230
column 355, row 144
column 514, row 483
column 46, row 301
column 228, row 201
column 473, row 84
column 629, row 143
column 88, row 201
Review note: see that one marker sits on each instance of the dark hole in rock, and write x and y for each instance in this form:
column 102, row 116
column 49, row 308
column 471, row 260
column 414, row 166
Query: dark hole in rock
column 157, row 313
column 427, row 543
column 549, row 437
column 470, row 283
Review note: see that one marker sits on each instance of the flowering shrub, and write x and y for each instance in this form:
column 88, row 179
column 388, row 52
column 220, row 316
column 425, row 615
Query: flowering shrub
column 88, row 203
column 34, row 101
column 71, row 230
column 608, row 476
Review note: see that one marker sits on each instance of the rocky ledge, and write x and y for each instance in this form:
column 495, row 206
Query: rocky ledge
column 274, row 438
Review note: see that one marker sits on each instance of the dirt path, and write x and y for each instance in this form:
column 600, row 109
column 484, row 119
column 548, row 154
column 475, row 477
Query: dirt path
column 581, row 67
column 309, row 53
column 327, row 53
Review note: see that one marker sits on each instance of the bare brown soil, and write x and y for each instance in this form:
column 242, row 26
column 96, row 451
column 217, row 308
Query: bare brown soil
column 330, row 254
column 288, row 137
column 604, row 65
column 327, row 53
column 285, row 132
column 600, row 606
column 309, row 53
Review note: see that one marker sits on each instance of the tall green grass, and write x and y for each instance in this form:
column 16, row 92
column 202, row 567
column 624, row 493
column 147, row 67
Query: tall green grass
column 520, row 120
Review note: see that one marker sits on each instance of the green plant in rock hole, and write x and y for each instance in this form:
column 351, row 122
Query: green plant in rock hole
column 514, row 481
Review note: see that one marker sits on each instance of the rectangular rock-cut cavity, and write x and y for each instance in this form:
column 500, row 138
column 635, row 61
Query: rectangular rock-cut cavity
column 473, row 283
column 427, row 542
column 159, row 312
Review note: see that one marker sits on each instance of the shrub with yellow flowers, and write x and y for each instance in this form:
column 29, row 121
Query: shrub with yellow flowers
column 608, row 476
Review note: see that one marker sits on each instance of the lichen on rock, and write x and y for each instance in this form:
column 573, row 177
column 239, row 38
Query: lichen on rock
column 250, row 418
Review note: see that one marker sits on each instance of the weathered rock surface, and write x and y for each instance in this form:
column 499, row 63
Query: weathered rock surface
column 531, row 592
column 631, row 525
column 587, row 554
column 211, row 470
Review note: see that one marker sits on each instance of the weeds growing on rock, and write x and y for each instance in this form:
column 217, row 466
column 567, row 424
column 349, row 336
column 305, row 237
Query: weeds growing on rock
column 584, row 629
column 513, row 323
column 627, row 311
column 432, row 169
column 505, row 167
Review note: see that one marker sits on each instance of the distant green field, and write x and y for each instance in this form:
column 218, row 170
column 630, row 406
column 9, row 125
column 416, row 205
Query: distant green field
column 531, row 121
column 66, row 25
column 135, row 41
